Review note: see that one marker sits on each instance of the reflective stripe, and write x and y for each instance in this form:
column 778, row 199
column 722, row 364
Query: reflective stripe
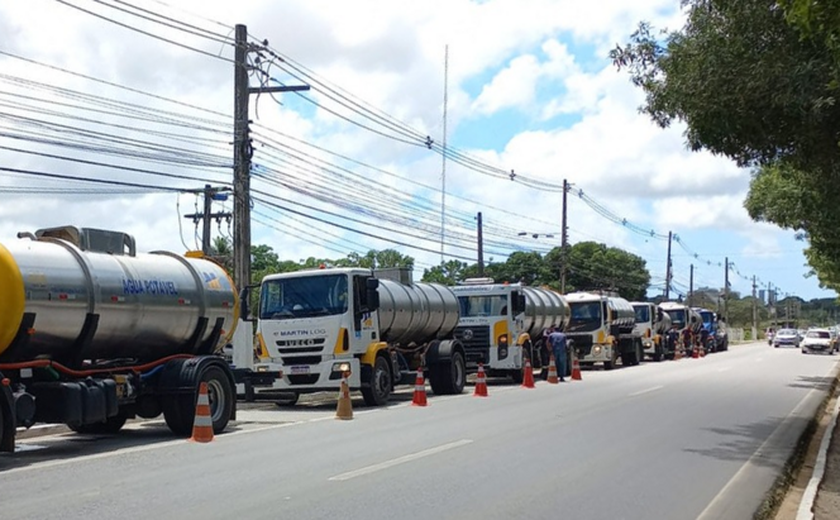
column 203, row 399
column 419, row 388
column 203, row 420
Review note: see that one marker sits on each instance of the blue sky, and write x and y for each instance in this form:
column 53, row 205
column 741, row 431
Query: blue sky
column 530, row 89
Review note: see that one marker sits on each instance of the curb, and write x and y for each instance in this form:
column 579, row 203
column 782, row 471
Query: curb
column 806, row 506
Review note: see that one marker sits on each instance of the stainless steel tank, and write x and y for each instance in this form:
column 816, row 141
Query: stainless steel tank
column 543, row 309
column 416, row 313
column 148, row 305
column 661, row 321
column 623, row 314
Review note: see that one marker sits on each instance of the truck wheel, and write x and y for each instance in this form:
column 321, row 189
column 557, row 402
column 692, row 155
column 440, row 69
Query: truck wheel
column 518, row 376
column 179, row 410
column 640, row 353
column 657, row 353
column 379, row 390
column 448, row 377
column 109, row 426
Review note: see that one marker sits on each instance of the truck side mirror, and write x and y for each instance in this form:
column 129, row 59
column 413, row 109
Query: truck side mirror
column 372, row 294
column 245, row 303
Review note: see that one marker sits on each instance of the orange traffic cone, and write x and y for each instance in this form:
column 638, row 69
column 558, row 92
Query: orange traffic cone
column 576, row 376
column 552, row 371
column 203, row 423
column 419, row 390
column 344, row 410
column 480, row 382
column 528, row 377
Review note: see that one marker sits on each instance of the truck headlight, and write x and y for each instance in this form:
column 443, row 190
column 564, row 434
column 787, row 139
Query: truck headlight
column 596, row 349
column 341, row 367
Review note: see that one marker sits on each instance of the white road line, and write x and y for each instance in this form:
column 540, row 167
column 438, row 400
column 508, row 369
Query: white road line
column 400, row 460
column 760, row 452
column 646, row 391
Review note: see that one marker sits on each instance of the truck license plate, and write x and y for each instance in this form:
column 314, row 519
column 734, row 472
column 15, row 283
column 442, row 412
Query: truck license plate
column 300, row 369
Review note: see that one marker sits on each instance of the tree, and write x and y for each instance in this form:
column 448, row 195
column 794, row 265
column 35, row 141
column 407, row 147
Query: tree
column 595, row 266
column 757, row 84
column 448, row 273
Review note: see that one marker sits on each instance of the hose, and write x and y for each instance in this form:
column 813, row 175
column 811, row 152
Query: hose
column 48, row 363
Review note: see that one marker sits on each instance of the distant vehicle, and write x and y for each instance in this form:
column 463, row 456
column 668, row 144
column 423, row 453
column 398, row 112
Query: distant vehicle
column 786, row 338
column 817, row 340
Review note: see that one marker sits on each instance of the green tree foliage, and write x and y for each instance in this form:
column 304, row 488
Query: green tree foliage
column 758, row 84
column 592, row 266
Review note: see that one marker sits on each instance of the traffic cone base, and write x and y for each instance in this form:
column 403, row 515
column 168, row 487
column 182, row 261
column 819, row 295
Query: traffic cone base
column 203, row 422
column 480, row 382
column 576, row 375
column 528, row 377
column 344, row 410
column 419, row 390
column 552, row 371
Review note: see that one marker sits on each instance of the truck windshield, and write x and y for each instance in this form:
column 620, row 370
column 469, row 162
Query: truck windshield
column 303, row 297
column 642, row 313
column 586, row 316
column 677, row 317
column 484, row 305
column 708, row 316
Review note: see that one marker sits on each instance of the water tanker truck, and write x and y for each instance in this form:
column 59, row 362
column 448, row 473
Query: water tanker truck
column 316, row 325
column 493, row 316
column 652, row 324
column 686, row 320
column 602, row 329
column 93, row 333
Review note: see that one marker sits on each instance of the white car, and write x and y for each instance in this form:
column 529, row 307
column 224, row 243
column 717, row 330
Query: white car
column 817, row 340
column 786, row 337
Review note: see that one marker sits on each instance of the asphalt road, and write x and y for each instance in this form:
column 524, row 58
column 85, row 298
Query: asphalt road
column 695, row 438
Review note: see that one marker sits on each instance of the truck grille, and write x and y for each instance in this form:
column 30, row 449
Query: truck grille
column 581, row 343
column 301, row 360
column 303, row 379
column 476, row 343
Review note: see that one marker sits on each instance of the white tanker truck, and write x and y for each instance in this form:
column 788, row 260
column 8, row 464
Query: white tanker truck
column 652, row 324
column 92, row 333
column 686, row 320
column 315, row 325
column 602, row 329
column 493, row 316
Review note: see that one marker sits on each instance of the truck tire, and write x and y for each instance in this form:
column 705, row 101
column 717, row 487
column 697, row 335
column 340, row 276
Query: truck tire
column 448, row 377
column 640, row 353
column 518, row 376
column 657, row 353
column 179, row 410
column 111, row 425
column 378, row 391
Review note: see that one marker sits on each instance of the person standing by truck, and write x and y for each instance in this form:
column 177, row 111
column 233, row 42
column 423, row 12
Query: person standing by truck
column 557, row 342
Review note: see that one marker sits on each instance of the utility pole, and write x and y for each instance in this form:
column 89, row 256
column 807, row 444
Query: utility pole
column 242, row 153
column 207, row 216
column 480, row 246
column 564, row 240
column 754, row 335
column 726, row 291
column 691, row 285
column 668, row 270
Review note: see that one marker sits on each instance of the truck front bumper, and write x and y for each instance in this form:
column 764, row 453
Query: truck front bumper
column 598, row 353
column 324, row 376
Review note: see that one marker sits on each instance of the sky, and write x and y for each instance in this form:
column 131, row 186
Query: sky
column 529, row 95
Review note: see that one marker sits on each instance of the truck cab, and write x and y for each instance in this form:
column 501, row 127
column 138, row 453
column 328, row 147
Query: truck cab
column 602, row 328
column 684, row 320
column 648, row 315
column 318, row 326
column 714, row 326
column 492, row 318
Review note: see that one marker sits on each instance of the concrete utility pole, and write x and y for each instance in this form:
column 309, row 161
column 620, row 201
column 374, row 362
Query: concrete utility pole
column 668, row 270
column 691, row 285
column 726, row 290
column 207, row 216
column 564, row 239
column 480, row 246
column 754, row 335
column 242, row 153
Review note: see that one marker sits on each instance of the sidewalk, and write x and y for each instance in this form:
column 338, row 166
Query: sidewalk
column 827, row 502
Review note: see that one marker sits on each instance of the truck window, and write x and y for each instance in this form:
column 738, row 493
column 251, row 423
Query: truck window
column 302, row 297
column 642, row 313
column 585, row 316
column 475, row 306
column 677, row 317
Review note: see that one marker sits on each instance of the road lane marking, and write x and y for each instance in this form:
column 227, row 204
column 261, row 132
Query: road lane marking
column 810, row 495
column 708, row 512
column 400, row 460
column 646, row 391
